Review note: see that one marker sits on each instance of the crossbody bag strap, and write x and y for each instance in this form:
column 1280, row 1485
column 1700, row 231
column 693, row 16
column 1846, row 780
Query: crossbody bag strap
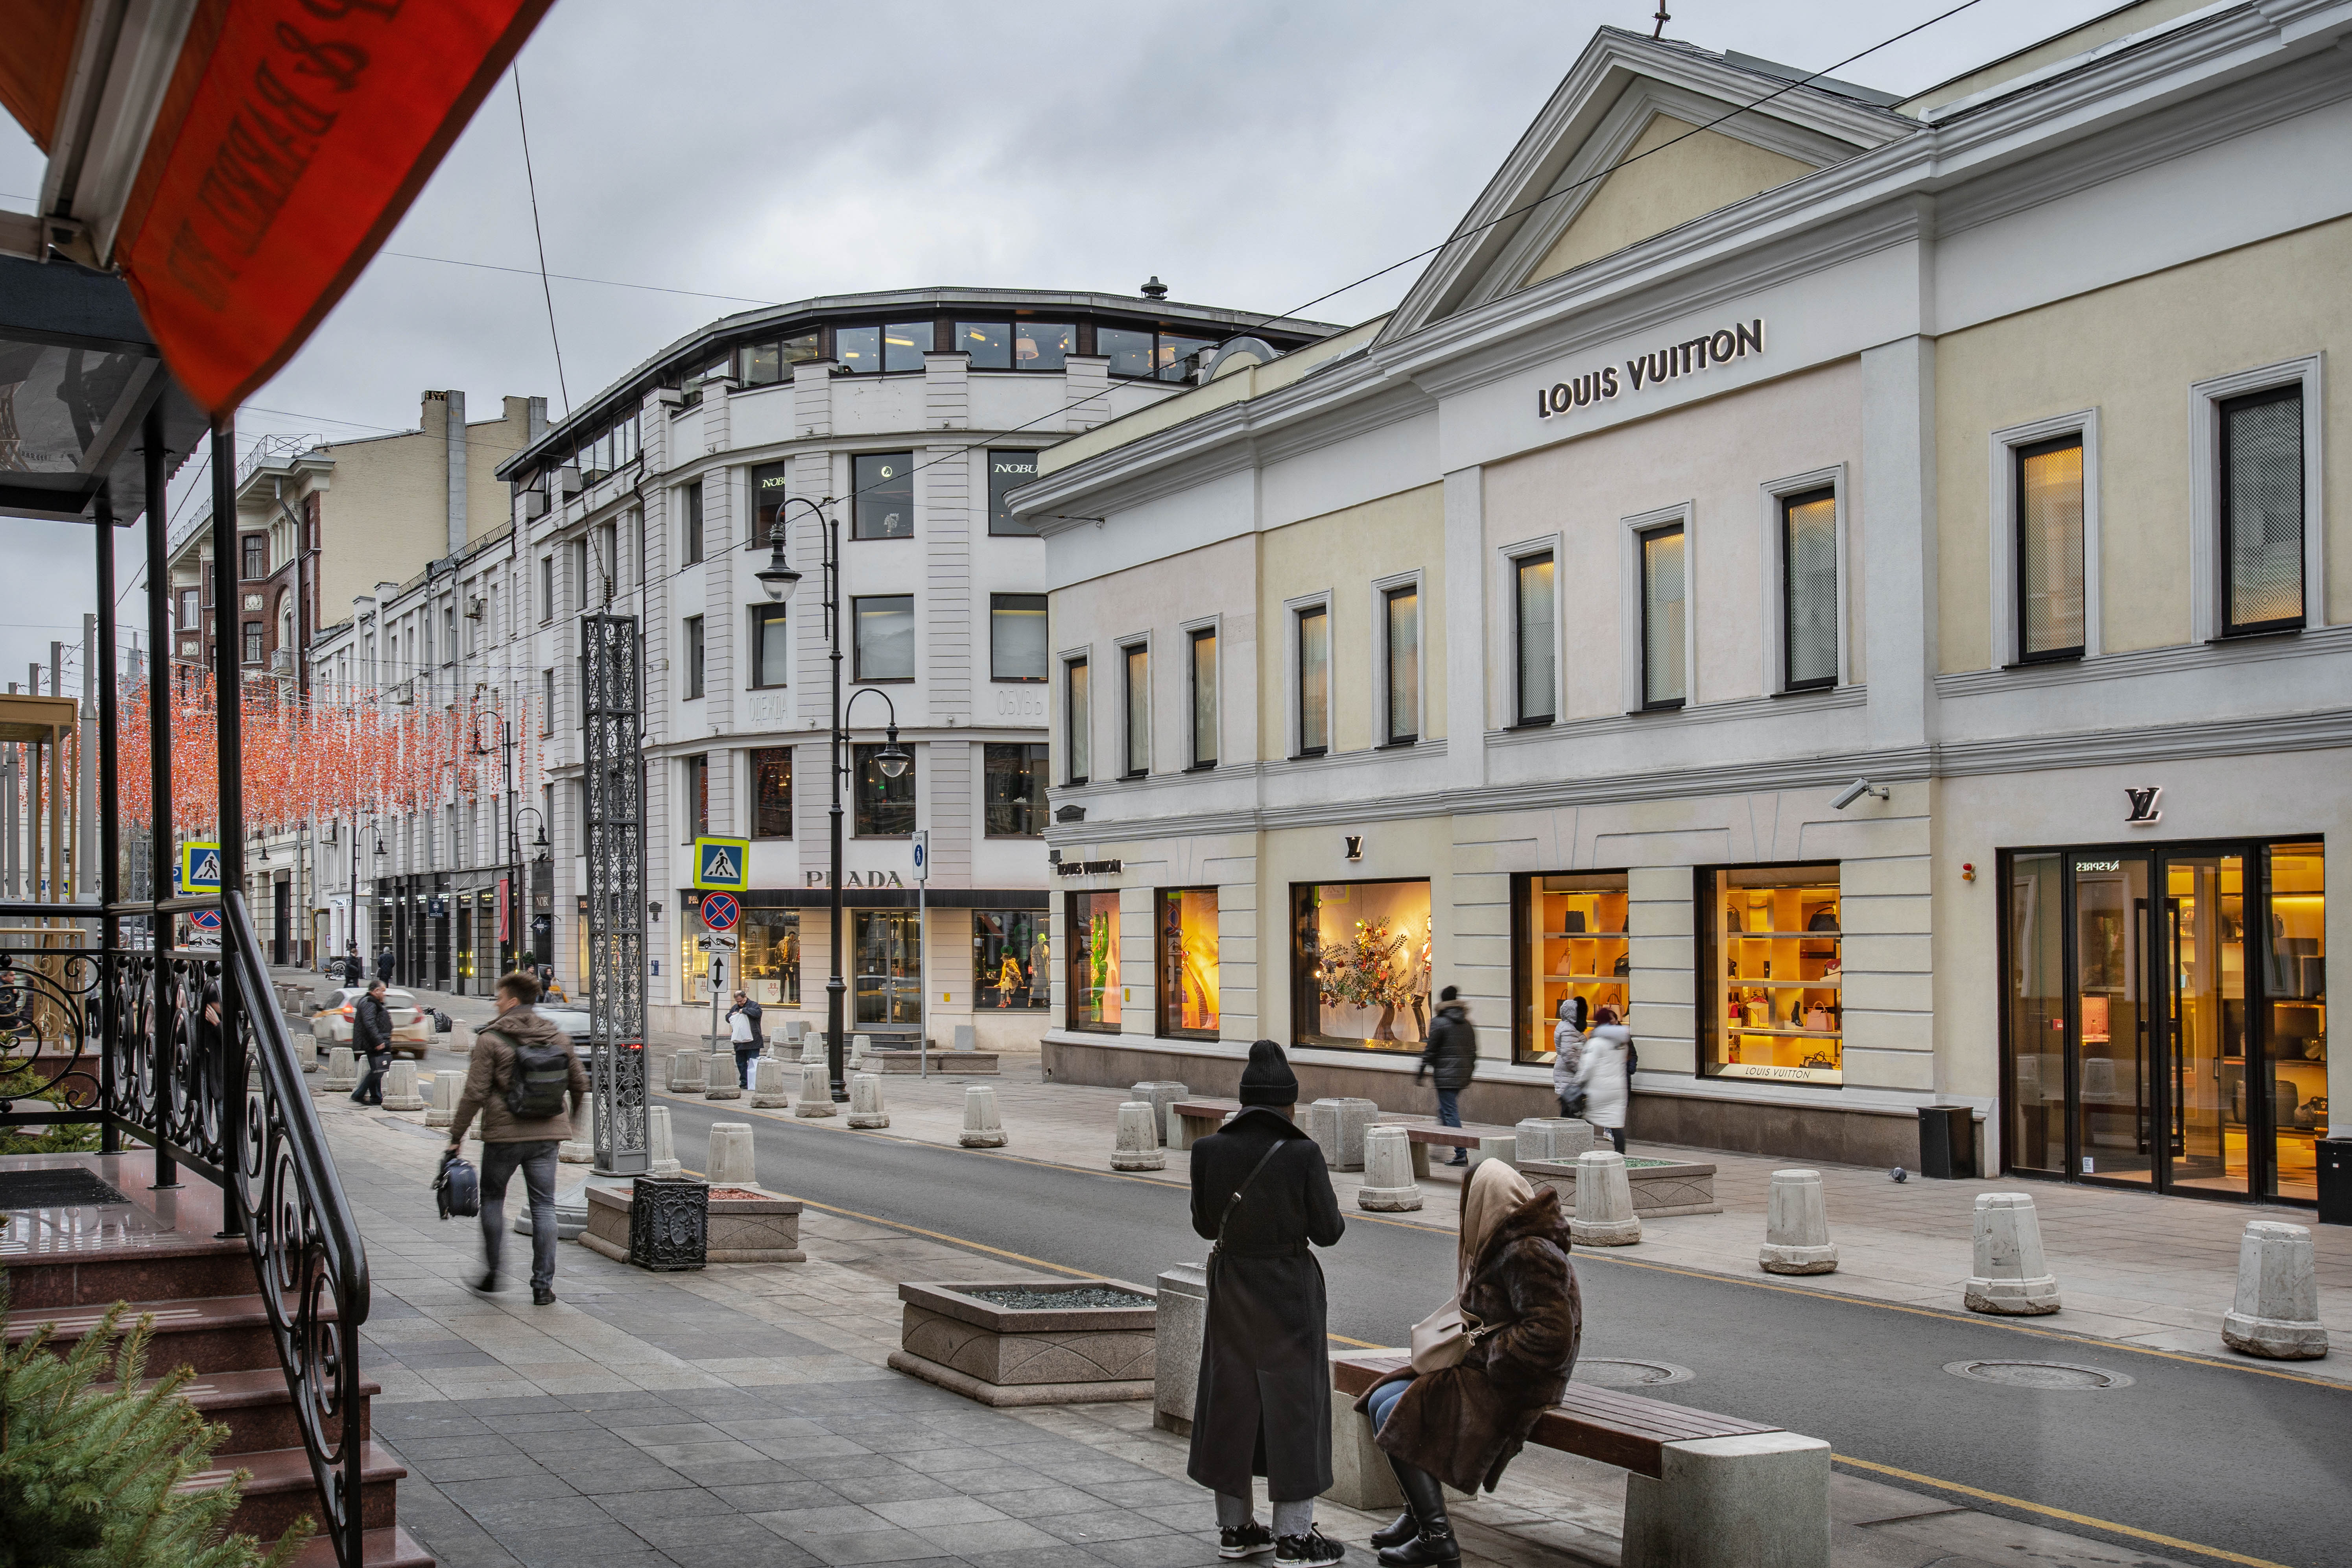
column 1235, row 1201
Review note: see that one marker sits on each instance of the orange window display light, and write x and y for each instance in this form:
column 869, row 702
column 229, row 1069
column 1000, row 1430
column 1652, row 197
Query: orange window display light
column 1573, row 943
column 1187, row 929
column 1775, row 976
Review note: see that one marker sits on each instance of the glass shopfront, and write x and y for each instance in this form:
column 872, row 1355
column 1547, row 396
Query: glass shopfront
column 886, row 953
column 1011, row 961
column 1771, row 951
column 769, row 954
column 1187, row 929
column 2166, row 1016
column 1359, row 965
column 1570, row 933
column 1094, row 962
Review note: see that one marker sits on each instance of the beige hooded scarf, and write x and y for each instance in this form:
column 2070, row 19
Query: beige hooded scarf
column 1494, row 1193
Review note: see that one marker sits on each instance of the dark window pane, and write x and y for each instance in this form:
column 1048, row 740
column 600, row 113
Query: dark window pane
column 690, row 524
column 1010, row 952
column 698, row 796
column 768, row 484
column 885, row 638
column 694, row 655
column 2050, row 548
column 762, row 364
column 2261, row 508
column 1808, row 589
column 1016, row 637
column 1007, row 472
column 904, row 344
column 771, row 644
column 772, row 793
column 1176, row 354
column 1042, row 345
column 1079, row 715
column 1015, row 790
column 858, row 348
column 1130, row 350
column 989, row 344
column 885, row 806
column 1139, row 710
column 886, row 495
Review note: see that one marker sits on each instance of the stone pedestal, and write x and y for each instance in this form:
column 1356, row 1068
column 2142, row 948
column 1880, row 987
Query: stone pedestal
column 400, row 1088
column 721, row 1079
column 1183, row 1325
column 982, row 1129
column 2011, row 1275
column 731, row 1163
column 1797, row 1226
column 865, row 1108
column 1159, row 1093
column 1553, row 1137
column 1757, row 1500
column 965, row 1038
column 1661, row 1188
column 1360, row 1475
column 342, row 1071
column 1503, row 1146
column 661, row 1152
column 1021, row 1355
column 1338, row 1127
column 812, row 1047
column 579, row 1149
column 767, row 1092
column 441, row 1098
column 1136, row 1145
column 816, row 1091
column 1389, row 1186
column 1604, row 1202
column 2276, row 1313
column 688, row 1073
column 758, row 1227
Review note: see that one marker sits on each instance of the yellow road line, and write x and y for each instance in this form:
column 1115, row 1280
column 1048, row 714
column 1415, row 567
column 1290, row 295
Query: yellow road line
column 951, row 1240
column 2047, row 1511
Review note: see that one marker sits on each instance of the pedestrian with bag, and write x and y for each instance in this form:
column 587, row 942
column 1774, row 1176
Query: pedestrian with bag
column 743, row 1034
column 1606, row 1075
column 1567, row 1057
column 1486, row 1366
column 383, row 965
column 353, row 970
column 372, row 1040
column 523, row 1074
column 1450, row 1059
column 1263, row 1405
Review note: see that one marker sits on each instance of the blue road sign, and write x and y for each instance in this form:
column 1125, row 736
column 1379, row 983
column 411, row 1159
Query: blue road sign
column 722, row 863
column 205, row 919
column 200, row 867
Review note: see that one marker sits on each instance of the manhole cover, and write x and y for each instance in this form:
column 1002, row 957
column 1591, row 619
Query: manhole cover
column 1610, row 1374
column 2046, row 1374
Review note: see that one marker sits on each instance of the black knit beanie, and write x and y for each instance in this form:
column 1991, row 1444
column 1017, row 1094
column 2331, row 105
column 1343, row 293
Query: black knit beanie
column 1268, row 1080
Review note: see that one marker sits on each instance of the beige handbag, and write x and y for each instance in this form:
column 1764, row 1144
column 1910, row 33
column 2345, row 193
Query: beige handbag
column 1444, row 1337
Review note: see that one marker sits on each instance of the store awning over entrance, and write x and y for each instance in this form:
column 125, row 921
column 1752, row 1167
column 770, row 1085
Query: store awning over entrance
column 239, row 162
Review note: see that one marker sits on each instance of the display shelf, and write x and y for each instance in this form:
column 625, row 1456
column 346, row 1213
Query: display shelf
column 1738, row 1029
column 1742, row 982
column 1740, row 935
column 1584, row 979
column 1586, row 935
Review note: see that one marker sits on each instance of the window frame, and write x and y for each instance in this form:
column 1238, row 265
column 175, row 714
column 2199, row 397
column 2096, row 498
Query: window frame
column 988, row 475
column 857, row 644
column 1296, row 612
column 1384, row 591
column 1514, row 558
column 2209, row 565
column 858, row 497
column 764, row 616
column 1777, row 497
column 995, row 674
column 1193, row 631
column 691, row 542
column 2006, row 561
column 751, row 790
column 1076, row 729
column 1166, row 1003
column 1042, row 760
column 695, row 786
column 1635, row 638
column 1133, row 726
column 863, row 755
column 695, row 647
column 2225, row 543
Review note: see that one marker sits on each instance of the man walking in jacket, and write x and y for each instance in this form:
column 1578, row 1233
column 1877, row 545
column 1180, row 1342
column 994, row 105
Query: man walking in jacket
column 743, row 1034
column 1450, row 1058
column 383, row 965
column 517, row 1057
column 372, row 1041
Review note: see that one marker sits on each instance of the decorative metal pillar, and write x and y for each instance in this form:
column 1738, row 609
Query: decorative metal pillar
column 99, row 678
column 162, row 923
column 612, row 680
column 228, row 721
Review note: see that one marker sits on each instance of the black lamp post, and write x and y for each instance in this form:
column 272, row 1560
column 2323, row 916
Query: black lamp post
column 525, row 934
column 506, row 741
column 777, row 579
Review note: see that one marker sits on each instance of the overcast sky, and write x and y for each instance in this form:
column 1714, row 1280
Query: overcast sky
column 1251, row 155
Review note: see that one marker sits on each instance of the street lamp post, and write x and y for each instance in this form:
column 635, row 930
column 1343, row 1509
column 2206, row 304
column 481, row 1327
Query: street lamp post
column 777, row 579
column 518, row 921
column 514, row 838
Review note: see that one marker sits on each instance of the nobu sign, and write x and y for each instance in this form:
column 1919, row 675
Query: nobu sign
column 1669, row 364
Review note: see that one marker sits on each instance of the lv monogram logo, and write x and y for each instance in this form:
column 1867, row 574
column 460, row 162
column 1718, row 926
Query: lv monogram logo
column 2145, row 805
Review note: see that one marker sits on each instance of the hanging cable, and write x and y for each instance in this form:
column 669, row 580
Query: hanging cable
column 532, row 180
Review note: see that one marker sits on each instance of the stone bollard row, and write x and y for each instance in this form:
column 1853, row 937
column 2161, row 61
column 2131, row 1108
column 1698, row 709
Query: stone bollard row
column 2276, row 1313
column 400, row 1087
column 661, row 1150
column 812, row 1047
column 1554, row 1138
column 1797, row 1226
column 2012, row 1278
column 1136, row 1146
column 1159, row 1093
column 342, row 1071
column 730, row 1163
column 441, row 1100
column 686, row 1075
column 1604, row 1202
column 1337, row 1126
column 579, row 1149
column 816, row 1091
column 1389, row 1186
column 768, row 1085
column 982, row 1129
column 721, row 1079
column 865, row 1108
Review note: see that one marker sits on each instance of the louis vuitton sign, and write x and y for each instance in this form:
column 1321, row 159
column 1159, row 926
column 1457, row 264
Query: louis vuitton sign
column 1673, row 362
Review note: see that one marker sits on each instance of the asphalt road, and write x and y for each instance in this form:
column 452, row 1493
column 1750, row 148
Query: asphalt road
column 2233, row 1460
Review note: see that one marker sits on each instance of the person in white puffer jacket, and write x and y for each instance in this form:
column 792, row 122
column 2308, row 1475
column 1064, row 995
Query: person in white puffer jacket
column 1568, row 1058
column 1602, row 1075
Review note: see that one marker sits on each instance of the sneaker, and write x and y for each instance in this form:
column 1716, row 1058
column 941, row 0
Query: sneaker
column 1312, row 1550
column 1251, row 1540
column 541, row 1296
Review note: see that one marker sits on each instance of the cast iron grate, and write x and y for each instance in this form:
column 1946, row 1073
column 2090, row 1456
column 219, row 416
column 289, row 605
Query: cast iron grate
column 1603, row 1371
column 68, row 1187
column 2056, row 1376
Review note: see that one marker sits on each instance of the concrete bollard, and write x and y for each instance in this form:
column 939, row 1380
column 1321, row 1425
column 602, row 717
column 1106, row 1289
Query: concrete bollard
column 865, row 1108
column 2277, row 1314
column 860, row 1045
column 1762, row 1498
column 812, row 1047
column 1503, row 1146
column 1136, row 1147
column 661, row 1150
column 1797, row 1226
column 342, row 1071
column 796, row 1030
column 2011, row 1276
column 731, row 1163
column 1180, row 1325
column 1604, row 1202
column 1389, row 1186
column 768, row 1085
column 1159, row 1093
column 721, row 1079
column 982, row 1129
column 441, row 1100
column 686, row 1074
column 1554, row 1137
column 400, row 1087
column 579, row 1149
column 816, row 1091
column 1337, row 1125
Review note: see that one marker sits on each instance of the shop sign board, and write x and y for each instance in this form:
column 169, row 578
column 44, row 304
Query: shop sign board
column 722, row 863
column 1604, row 384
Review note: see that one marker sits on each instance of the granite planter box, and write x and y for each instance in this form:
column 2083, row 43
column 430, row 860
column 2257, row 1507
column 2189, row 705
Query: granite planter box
column 747, row 1226
column 944, row 1064
column 1661, row 1187
column 1014, row 1343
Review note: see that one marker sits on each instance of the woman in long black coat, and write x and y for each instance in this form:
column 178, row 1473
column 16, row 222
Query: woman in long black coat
column 1264, row 1403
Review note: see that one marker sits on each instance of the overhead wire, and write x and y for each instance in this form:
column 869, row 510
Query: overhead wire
column 532, row 180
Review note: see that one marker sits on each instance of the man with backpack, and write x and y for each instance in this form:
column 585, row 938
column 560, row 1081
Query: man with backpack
column 526, row 1083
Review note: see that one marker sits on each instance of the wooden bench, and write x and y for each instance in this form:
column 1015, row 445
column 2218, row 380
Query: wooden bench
column 1191, row 1120
column 1700, row 1483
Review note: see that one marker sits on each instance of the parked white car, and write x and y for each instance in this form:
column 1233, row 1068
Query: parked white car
column 411, row 1026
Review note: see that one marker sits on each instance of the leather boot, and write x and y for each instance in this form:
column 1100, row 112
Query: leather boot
column 1404, row 1529
column 1433, row 1545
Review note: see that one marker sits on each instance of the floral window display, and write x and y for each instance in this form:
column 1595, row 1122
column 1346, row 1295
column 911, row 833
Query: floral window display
column 1009, row 967
column 1572, row 942
column 1775, row 974
column 1186, row 931
column 1094, row 962
column 1361, row 964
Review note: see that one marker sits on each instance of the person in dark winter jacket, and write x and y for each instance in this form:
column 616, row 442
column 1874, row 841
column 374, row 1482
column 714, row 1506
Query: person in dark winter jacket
column 372, row 1043
column 1450, row 1058
column 383, row 962
column 1263, row 1405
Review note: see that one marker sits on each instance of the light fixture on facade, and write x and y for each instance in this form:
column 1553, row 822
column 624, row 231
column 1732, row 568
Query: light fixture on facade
column 1854, row 791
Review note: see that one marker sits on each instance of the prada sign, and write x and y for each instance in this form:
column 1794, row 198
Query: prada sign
column 1671, row 364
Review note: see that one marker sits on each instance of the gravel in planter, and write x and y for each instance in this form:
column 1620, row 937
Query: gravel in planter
column 1058, row 1301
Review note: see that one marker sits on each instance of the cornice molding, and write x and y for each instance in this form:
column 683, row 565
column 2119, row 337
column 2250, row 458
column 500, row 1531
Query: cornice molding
column 2186, row 659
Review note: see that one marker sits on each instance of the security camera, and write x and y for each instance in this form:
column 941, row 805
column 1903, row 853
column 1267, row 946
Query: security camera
column 1854, row 791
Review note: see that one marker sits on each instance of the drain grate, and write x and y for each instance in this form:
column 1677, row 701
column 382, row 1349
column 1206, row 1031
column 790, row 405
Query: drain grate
column 1612, row 1373
column 63, row 1187
column 2058, row 1376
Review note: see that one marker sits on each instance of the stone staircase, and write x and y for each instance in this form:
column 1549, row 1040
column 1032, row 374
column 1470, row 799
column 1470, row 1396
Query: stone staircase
column 66, row 1264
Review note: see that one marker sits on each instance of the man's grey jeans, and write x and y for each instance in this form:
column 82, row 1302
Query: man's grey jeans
column 537, row 1162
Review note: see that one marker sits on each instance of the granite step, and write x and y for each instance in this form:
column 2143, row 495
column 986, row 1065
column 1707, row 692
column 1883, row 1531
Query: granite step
column 257, row 1407
column 280, row 1488
column 210, row 1333
column 392, row 1548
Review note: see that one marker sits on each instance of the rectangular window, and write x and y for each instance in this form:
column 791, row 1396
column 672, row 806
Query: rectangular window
column 884, row 485
column 770, row 646
column 256, row 555
column 1129, row 351
column 989, row 344
column 769, row 943
column 769, row 486
column 1314, row 682
column 1137, row 661
column 2295, row 980
column 772, row 793
column 693, row 657
column 698, row 796
column 1402, row 655
column 1539, row 644
column 885, row 806
column 1010, row 959
column 547, row 588
column 1664, row 680
column 2050, row 581
column 1809, row 590
column 1078, row 718
column 187, row 609
column 547, row 701
column 1772, row 946
column 689, row 524
column 885, row 636
column 858, row 349
column 1569, row 930
column 2262, row 511
column 1013, row 801
column 2034, row 995
column 1042, row 345
column 904, row 344
column 887, row 983
column 1176, row 354
column 1204, row 697
column 765, row 364
column 1007, row 472
column 1361, row 964
column 253, row 642
column 1016, row 637
column 1187, row 977
column 1093, row 993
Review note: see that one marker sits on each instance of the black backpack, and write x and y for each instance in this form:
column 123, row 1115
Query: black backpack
column 543, row 1078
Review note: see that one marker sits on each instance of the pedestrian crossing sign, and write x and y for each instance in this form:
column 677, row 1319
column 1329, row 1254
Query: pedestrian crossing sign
column 722, row 863
column 200, row 868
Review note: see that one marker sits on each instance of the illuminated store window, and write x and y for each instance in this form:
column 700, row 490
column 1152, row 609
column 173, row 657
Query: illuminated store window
column 1359, row 965
column 1186, row 928
column 1011, row 963
column 769, row 943
column 1573, row 944
column 1094, row 962
column 887, row 986
column 2295, row 980
column 1773, row 1007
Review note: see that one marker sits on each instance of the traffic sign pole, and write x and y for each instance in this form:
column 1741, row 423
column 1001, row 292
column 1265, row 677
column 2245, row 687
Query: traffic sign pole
column 922, row 952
